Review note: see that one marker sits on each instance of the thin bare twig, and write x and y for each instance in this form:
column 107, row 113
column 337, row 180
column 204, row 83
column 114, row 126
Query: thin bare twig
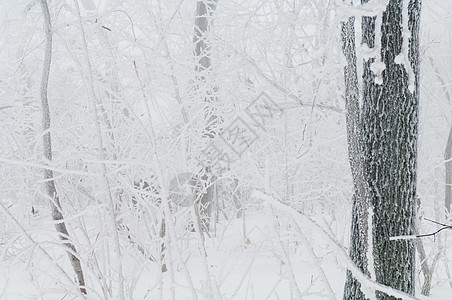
column 445, row 226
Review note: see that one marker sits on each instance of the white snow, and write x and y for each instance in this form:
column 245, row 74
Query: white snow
column 126, row 104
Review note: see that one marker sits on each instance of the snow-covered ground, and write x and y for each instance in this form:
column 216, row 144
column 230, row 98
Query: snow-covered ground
column 280, row 256
column 273, row 261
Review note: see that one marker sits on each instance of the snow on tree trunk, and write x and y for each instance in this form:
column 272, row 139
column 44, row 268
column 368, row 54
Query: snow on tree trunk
column 358, row 239
column 389, row 131
column 207, row 89
column 57, row 214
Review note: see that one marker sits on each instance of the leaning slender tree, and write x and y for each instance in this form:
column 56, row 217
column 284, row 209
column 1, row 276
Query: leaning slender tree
column 51, row 190
column 387, row 144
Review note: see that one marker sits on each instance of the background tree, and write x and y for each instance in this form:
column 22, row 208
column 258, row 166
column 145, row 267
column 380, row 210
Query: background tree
column 205, row 87
column 52, row 194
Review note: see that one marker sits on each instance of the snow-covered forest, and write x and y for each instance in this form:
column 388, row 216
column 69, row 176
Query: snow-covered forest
column 225, row 149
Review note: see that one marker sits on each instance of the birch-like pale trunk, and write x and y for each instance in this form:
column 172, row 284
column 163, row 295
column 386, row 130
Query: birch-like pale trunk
column 57, row 213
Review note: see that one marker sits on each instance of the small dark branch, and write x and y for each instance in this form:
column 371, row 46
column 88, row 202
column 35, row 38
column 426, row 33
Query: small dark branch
column 442, row 224
column 445, row 226
column 433, row 233
column 106, row 28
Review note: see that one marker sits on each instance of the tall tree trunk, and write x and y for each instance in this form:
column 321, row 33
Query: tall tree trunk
column 51, row 191
column 207, row 89
column 358, row 238
column 390, row 131
column 383, row 147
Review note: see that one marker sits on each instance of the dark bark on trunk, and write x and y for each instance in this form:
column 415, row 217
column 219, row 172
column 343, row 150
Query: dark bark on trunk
column 358, row 239
column 388, row 131
column 51, row 191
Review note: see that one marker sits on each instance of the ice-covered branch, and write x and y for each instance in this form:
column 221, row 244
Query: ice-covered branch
column 52, row 262
column 105, row 181
column 370, row 8
column 368, row 285
column 49, row 181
